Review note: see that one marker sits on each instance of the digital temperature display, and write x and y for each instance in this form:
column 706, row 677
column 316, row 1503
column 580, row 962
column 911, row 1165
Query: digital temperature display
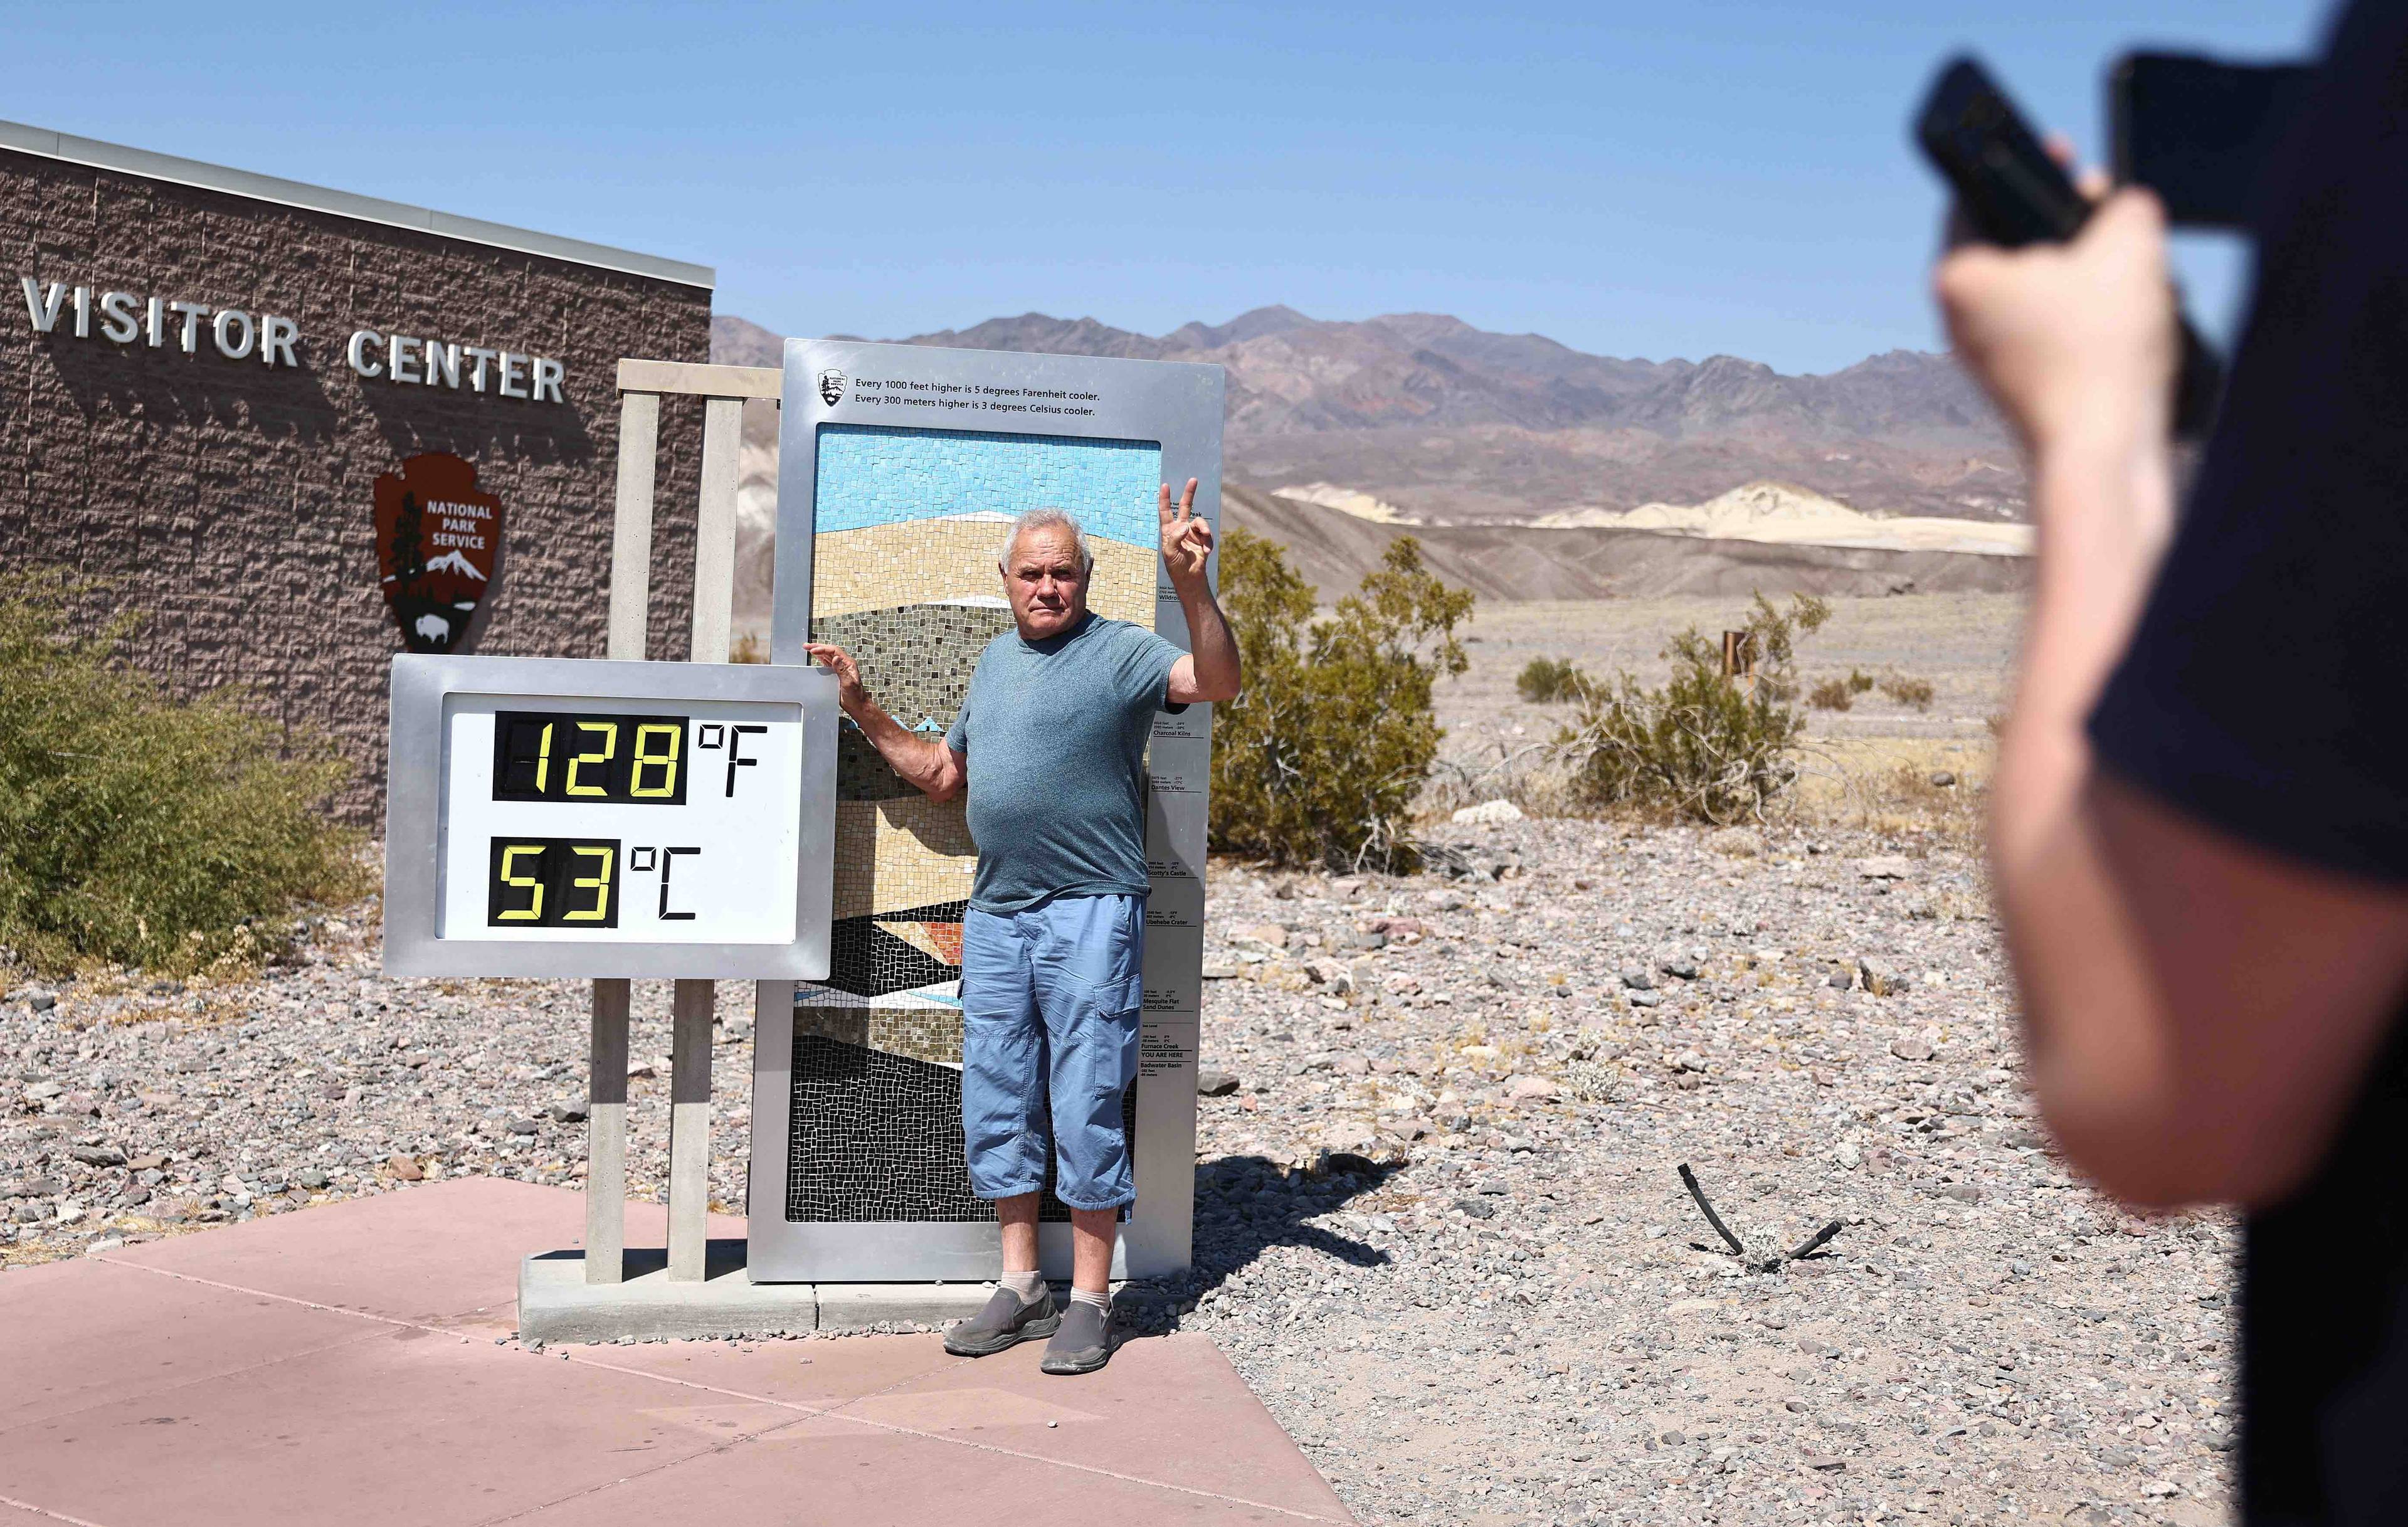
column 552, row 817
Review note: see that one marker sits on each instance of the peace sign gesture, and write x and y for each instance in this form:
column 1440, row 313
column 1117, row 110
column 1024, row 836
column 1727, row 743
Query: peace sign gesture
column 1186, row 541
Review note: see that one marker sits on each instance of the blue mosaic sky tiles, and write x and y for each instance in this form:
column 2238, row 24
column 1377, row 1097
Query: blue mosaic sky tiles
column 870, row 475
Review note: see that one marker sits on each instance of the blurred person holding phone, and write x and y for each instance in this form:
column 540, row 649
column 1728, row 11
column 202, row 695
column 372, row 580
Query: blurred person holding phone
column 2201, row 831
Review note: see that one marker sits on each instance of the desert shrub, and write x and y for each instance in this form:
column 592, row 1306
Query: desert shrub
column 1702, row 745
column 1859, row 682
column 1545, row 680
column 1908, row 691
column 1831, row 695
column 1320, row 759
column 139, row 829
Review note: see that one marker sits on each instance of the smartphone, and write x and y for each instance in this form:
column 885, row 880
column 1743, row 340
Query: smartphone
column 2200, row 132
column 2007, row 186
column 2012, row 194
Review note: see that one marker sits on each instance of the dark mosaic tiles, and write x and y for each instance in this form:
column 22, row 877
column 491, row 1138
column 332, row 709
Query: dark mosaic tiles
column 877, row 1137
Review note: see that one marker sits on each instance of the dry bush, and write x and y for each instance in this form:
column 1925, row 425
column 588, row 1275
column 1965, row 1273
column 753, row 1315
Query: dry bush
column 1889, row 785
column 1908, row 690
column 1319, row 761
column 1831, row 695
column 1703, row 746
column 1500, row 766
column 139, row 829
column 1545, row 680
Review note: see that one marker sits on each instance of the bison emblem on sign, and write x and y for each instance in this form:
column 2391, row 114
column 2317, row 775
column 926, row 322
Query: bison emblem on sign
column 438, row 536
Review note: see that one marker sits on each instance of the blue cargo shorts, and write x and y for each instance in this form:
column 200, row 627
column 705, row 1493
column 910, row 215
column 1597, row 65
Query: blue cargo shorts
column 1050, row 1006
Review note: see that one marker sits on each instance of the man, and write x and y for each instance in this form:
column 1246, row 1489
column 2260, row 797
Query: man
column 2201, row 833
column 1050, row 744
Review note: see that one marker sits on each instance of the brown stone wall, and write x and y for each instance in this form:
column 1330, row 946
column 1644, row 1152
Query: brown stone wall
column 231, row 502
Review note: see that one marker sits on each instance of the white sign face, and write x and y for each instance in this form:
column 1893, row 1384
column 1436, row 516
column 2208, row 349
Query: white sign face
column 620, row 821
column 553, row 817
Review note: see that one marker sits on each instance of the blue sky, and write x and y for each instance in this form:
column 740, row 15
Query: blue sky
column 1655, row 181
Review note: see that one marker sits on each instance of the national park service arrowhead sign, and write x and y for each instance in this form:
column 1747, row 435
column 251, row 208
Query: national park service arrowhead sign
column 436, row 535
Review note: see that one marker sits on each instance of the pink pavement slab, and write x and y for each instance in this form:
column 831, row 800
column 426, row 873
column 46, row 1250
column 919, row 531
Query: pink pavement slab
column 442, row 1251
column 339, row 1364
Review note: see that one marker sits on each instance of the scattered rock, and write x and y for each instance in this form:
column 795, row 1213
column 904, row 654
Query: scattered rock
column 97, row 1155
column 42, row 1001
column 1352, row 1135
column 1942, row 779
column 1879, row 976
column 1736, row 842
column 405, row 1167
column 1911, row 1047
column 312, row 1178
column 1214, row 1084
column 1262, row 935
column 1488, row 814
column 1886, row 867
column 1636, row 979
column 1685, row 970
column 1534, row 1090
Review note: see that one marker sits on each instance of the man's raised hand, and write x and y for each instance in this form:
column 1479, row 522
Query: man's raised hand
column 1186, row 541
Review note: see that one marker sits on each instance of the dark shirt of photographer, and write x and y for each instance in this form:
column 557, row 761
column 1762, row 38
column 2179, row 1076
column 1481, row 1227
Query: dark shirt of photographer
column 2200, row 841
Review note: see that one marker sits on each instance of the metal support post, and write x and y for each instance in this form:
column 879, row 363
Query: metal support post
column 631, row 582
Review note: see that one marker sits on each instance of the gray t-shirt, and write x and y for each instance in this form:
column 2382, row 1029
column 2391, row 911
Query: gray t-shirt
column 1055, row 733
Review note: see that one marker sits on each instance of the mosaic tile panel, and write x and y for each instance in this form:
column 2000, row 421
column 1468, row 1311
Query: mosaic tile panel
column 904, row 578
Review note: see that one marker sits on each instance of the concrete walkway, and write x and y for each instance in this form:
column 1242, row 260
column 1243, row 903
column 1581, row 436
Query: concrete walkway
column 339, row 1364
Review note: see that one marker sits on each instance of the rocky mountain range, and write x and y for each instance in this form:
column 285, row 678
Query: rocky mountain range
column 1455, row 425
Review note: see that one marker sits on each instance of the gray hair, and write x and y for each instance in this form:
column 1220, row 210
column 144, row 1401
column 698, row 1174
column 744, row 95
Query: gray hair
column 1045, row 519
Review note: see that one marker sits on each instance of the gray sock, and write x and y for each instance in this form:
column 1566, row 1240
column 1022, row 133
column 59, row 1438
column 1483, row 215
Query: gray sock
column 1101, row 1301
column 1029, row 1286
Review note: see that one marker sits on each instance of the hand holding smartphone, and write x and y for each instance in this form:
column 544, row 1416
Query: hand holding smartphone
column 2012, row 194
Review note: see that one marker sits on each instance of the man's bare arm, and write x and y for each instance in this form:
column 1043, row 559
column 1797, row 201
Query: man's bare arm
column 1210, row 670
column 927, row 762
column 2199, row 1010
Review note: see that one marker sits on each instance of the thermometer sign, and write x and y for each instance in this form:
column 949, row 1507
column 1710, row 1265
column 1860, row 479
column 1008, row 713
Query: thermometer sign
column 558, row 818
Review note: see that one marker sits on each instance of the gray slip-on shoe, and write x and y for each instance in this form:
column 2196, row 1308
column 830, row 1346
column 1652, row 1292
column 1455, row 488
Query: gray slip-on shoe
column 1005, row 1322
column 1084, row 1343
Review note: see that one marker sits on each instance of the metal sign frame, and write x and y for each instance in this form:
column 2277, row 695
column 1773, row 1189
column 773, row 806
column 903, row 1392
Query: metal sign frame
column 1178, row 406
column 414, row 816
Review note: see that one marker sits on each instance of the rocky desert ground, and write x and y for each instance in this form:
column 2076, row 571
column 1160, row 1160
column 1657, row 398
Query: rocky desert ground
column 1440, row 1224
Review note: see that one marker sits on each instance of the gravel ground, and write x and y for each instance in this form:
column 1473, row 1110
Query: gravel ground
column 1439, row 1226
